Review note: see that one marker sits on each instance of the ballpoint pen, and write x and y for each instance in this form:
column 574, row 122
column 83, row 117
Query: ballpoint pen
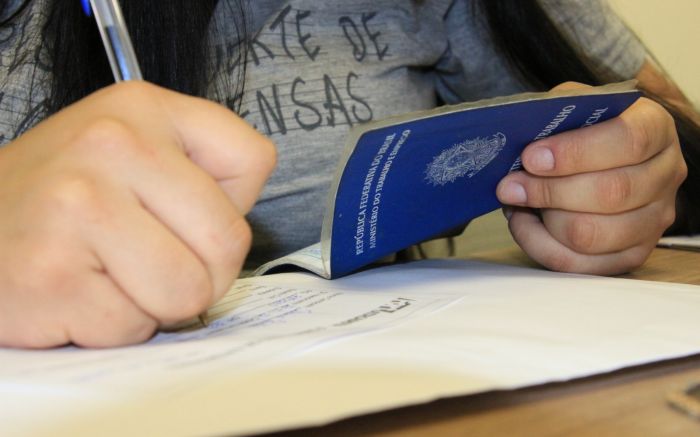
column 115, row 37
column 120, row 51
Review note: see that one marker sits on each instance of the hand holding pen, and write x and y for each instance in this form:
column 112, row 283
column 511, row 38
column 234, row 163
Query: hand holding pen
column 123, row 212
column 120, row 51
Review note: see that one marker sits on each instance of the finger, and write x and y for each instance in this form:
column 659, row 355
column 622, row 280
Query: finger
column 101, row 315
column 224, row 145
column 178, row 193
column 221, row 143
column 641, row 132
column 56, row 297
column 609, row 191
column 215, row 138
column 599, row 234
column 531, row 235
column 157, row 270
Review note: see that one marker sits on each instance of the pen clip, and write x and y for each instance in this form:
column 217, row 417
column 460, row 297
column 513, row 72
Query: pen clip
column 86, row 7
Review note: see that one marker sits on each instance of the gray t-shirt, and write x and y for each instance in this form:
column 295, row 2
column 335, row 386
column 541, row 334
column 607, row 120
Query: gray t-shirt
column 317, row 68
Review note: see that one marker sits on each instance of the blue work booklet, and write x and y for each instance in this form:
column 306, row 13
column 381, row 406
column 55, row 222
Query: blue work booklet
column 410, row 178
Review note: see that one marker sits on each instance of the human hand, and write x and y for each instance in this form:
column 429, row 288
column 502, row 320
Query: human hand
column 122, row 213
column 605, row 193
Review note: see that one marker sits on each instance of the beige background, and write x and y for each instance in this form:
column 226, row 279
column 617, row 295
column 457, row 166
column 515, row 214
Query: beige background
column 671, row 30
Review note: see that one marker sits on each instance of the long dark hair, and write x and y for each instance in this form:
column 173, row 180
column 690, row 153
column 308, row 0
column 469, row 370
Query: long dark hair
column 152, row 24
column 170, row 38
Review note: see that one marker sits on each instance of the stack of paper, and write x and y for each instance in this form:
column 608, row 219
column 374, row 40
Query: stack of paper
column 689, row 242
column 294, row 350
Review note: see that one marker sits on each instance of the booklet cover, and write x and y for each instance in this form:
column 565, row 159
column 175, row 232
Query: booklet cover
column 411, row 178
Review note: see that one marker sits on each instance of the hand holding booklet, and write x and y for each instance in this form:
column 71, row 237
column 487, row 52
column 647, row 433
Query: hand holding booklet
column 411, row 178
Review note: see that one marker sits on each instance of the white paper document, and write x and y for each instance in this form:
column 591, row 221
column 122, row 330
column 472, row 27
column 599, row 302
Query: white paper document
column 293, row 350
column 689, row 242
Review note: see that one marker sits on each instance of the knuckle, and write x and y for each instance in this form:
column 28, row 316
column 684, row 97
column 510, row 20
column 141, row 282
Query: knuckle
column 653, row 125
column 635, row 258
column 243, row 239
column 47, row 272
column 103, row 128
column 576, row 149
column 236, row 237
column 614, row 191
column 682, row 173
column 242, row 233
column 659, row 120
column 73, row 195
column 543, row 196
column 668, row 217
column 195, row 297
column 637, row 139
column 230, row 246
column 570, row 85
column 262, row 157
column 582, row 233
column 139, row 333
column 269, row 154
column 666, row 129
column 131, row 92
column 516, row 228
column 668, row 123
column 107, row 136
column 558, row 262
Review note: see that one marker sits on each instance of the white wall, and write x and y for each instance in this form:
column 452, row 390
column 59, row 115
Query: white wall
column 671, row 31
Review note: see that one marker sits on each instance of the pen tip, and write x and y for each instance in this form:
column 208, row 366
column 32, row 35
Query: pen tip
column 203, row 319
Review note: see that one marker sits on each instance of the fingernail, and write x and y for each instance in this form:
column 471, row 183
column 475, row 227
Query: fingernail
column 542, row 159
column 508, row 212
column 513, row 193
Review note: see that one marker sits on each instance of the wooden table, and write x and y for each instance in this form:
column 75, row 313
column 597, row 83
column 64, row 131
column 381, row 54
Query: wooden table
column 628, row 402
